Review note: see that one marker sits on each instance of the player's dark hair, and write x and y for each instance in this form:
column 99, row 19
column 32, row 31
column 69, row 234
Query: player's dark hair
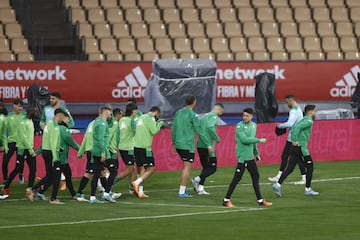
column 189, row 99
column 309, row 108
column 290, row 96
column 219, row 105
column 55, row 94
column 249, row 110
column 132, row 100
column 30, row 112
column 18, row 101
column 117, row 111
column 155, row 109
column 130, row 107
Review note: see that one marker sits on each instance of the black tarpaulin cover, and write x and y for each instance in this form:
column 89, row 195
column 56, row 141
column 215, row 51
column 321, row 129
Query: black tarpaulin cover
column 38, row 97
column 172, row 79
column 266, row 106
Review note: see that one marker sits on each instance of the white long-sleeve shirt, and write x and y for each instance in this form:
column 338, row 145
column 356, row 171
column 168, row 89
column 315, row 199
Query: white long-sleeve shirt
column 295, row 115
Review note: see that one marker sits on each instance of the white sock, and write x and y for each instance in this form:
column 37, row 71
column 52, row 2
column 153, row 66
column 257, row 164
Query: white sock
column 278, row 184
column 139, row 181
column 197, row 178
column 260, row 200
column 92, row 198
column 307, row 188
column 182, row 189
column 201, row 188
column 62, row 177
column 226, row 199
column 106, row 194
column 141, row 189
column 279, row 174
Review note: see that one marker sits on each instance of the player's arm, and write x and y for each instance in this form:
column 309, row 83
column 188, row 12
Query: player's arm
column 212, row 129
column 240, row 135
column 99, row 138
column 43, row 119
column 54, row 138
column 200, row 132
column 290, row 122
column 173, row 131
column 155, row 126
column 66, row 135
column 133, row 124
column 3, row 140
column 71, row 123
column 295, row 132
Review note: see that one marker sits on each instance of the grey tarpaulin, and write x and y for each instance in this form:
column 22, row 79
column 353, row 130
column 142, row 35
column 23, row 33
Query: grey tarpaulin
column 355, row 99
column 266, row 106
column 172, row 79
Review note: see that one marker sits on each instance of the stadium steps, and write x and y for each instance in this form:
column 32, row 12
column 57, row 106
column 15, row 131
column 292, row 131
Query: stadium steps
column 51, row 29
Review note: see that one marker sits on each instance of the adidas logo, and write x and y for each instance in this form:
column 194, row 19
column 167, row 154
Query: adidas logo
column 345, row 87
column 132, row 86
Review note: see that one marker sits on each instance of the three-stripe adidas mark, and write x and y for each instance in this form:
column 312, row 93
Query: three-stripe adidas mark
column 346, row 86
column 133, row 85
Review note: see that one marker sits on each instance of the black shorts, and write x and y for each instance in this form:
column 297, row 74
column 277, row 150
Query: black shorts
column 186, row 155
column 89, row 164
column 144, row 158
column 112, row 163
column 127, row 157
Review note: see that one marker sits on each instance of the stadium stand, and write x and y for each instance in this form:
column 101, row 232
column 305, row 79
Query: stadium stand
column 139, row 30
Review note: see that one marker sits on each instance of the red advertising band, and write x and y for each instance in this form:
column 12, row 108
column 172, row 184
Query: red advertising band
column 117, row 81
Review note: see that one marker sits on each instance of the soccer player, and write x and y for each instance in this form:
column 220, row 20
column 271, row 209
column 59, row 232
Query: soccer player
column 50, row 153
column 127, row 126
column 146, row 127
column 12, row 123
column 300, row 135
column 48, row 114
column 138, row 112
column 66, row 141
column 246, row 149
column 112, row 164
column 25, row 151
column 208, row 160
column 100, row 152
column 295, row 115
column 3, row 141
column 185, row 124
column 86, row 146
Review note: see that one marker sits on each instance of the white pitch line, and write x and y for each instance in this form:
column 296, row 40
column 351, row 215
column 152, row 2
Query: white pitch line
column 130, row 218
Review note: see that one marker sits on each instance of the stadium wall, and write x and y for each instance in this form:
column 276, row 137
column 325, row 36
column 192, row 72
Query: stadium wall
column 331, row 140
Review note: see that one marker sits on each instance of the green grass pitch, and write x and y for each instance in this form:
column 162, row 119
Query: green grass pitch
column 334, row 214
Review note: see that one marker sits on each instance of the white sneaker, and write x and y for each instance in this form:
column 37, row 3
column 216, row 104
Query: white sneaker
column 203, row 193
column 2, row 197
column 115, row 195
column 273, row 179
column 195, row 184
column 301, row 182
column 56, row 201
